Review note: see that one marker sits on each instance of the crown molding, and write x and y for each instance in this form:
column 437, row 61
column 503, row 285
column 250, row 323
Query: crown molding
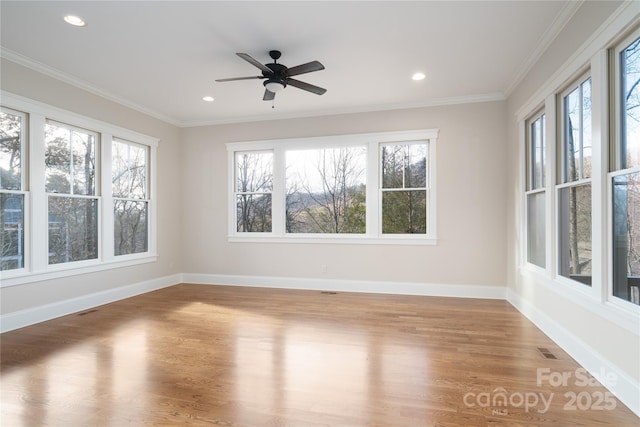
column 81, row 84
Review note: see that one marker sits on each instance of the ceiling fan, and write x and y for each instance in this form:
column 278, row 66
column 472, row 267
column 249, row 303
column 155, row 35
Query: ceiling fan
column 278, row 76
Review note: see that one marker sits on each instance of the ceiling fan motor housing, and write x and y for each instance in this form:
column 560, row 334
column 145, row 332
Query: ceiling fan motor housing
column 278, row 75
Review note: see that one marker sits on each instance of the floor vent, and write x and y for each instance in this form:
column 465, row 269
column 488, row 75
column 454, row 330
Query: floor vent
column 546, row 353
column 87, row 312
column 328, row 292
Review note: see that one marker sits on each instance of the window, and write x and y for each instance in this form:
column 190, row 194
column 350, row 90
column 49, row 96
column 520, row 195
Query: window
column 12, row 186
column 130, row 178
column 90, row 204
column 253, row 186
column 70, row 171
column 574, row 191
column 535, row 190
column 625, row 178
column 351, row 188
column 404, row 188
column 326, row 190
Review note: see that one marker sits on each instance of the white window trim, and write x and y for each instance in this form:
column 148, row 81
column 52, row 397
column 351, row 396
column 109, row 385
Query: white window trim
column 109, row 199
column 373, row 233
column 528, row 190
column 37, row 267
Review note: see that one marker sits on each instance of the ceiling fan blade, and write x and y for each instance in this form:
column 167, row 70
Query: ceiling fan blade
column 305, row 68
column 254, row 62
column 306, row 86
column 240, row 78
column 268, row 95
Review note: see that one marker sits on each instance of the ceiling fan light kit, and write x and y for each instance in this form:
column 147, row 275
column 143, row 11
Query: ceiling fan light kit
column 279, row 76
column 274, row 86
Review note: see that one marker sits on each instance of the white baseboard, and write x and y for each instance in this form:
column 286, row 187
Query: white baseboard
column 626, row 388
column 399, row 288
column 31, row 316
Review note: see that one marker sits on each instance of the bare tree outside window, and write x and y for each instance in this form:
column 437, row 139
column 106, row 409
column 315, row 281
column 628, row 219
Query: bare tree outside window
column 575, row 199
column 404, row 188
column 326, row 190
column 253, row 188
column 70, row 171
column 130, row 192
column 10, row 151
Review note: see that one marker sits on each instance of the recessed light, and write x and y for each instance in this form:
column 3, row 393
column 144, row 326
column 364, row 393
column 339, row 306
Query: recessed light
column 418, row 76
column 208, row 98
column 74, row 20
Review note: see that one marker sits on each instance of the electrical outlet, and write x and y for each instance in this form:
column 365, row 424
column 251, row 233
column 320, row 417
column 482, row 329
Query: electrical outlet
column 323, row 268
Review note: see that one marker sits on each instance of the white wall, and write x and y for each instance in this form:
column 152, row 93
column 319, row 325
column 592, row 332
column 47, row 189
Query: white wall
column 58, row 293
column 471, row 155
column 588, row 329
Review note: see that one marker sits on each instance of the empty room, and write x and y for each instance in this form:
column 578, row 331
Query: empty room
column 320, row 213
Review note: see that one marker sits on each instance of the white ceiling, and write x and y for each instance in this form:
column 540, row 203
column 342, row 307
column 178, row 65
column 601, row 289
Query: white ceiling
column 162, row 57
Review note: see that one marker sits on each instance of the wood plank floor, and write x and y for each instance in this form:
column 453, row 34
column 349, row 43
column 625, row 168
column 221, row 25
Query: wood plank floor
column 228, row 356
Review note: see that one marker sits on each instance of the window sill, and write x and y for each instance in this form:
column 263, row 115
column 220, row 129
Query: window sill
column 333, row 239
column 20, row 277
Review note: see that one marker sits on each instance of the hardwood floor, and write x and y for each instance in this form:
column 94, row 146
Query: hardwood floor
column 229, row 356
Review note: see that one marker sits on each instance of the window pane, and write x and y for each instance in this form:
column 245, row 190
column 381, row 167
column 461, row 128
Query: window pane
column 577, row 133
column 575, row 233
column 626, row 237
column 73, row 229
column 404, row 212
column 84, row 163
column 537, row 150
column 572, row 136
column 326, row 190
column 10, row 151
column 630, row 88
column 130, row 228
column 57, row 159
column 254, row 172
column 536, row 237
column 70, row 166
column 585, row 165
column 129, row 170
column 253, row 212
column 393, row 166
column 404, row 166
column 12, row 231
